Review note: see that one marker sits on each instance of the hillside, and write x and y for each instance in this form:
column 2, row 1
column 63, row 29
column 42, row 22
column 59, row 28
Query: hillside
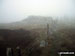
column 30, row 22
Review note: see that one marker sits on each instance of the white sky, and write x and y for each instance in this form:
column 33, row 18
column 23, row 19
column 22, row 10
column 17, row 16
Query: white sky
column 15, row 10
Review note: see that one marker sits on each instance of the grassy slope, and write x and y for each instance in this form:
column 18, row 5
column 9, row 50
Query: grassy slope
column 61, row 40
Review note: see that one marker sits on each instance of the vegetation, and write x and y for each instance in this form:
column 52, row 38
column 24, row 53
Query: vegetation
column 29, row 41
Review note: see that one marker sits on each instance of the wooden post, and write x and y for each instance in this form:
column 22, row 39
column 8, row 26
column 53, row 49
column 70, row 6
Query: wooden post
column 48, row 31
column 47, row 34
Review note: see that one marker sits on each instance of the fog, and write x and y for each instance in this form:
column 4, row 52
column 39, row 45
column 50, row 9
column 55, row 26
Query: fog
column 16, row 10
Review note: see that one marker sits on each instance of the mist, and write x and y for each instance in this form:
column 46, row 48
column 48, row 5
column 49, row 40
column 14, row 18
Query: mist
column 37, row 27
column 16, row 10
